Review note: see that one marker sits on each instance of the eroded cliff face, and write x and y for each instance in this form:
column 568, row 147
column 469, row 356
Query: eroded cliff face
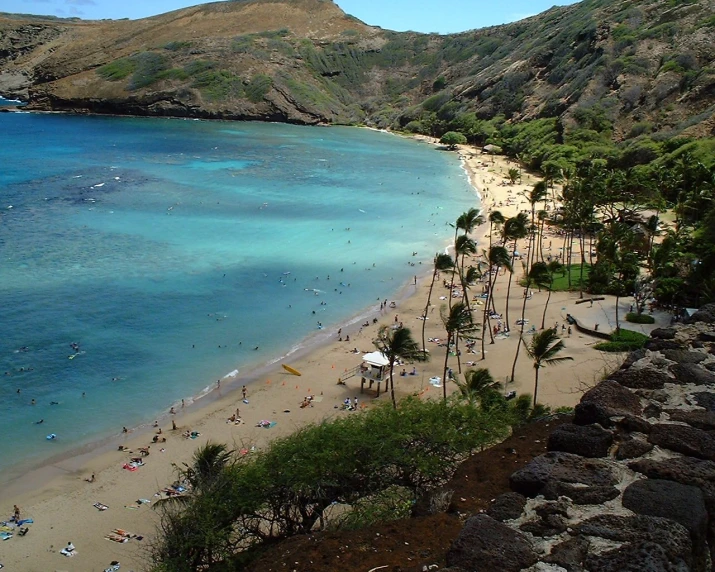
column 629, row 485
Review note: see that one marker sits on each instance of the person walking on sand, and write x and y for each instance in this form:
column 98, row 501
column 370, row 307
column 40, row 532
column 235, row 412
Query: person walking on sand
column 244, row 392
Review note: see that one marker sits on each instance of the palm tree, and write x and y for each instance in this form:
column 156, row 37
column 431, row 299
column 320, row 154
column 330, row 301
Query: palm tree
column 457, row 320
column 476, row 385
column 463, row 247
column 469, row 276
column 543, row 350
column 537, row 276
column 553, row 267
column 497, row 258
column 205, row 472
column 514, row 229
column 495, row 219
column 537, row 194
column 395, row 344
column 442, row 262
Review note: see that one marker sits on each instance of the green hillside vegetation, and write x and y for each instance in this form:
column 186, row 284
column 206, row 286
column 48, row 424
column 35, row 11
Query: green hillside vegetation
column 349, row 472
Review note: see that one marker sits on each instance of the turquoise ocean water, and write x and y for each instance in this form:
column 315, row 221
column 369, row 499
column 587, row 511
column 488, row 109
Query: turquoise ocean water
column 169, row 249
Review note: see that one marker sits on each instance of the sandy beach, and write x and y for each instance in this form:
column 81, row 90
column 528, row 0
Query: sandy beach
column 62, row 503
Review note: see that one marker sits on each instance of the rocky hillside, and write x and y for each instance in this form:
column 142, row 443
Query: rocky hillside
column 646, row 63
column 628, row 485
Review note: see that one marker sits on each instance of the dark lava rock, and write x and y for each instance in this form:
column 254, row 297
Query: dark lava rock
column 561, row 467
column 485, row 545
column 550, row 525
column 569, row 554
column 673, row 538
column 652, row 411
column 704, row 420
column 607, row 399
column 632, row 358
column 585, row 440
column 660, row 345
column 705, row 399
column 663, row 333
column 692, row 373
column 684, row 470
column 631, row 423
column 579, row 495
column 559, row 508
column 707, row 336
column 683, row 504
column 660, row 395
column 631, row 447
column 684, row 356
column 636, row 557
column 641, row 378
column 507, row 506
column 684, row 439
column 704, row 314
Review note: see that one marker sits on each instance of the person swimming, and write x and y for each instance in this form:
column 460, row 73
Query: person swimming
column 40, row 422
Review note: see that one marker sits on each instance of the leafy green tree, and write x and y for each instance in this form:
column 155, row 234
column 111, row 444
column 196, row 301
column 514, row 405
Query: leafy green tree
column 442, row 262
column 513, row 175
column 398, row 344
column 452, row 139
column 543, row 350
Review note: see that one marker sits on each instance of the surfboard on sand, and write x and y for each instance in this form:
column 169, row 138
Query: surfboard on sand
column 289, row 369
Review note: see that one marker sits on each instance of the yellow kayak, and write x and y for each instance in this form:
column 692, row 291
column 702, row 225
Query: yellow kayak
column 289, row 369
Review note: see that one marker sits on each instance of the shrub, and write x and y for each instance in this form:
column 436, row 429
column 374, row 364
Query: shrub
column 258, row 87
column 623, row 341
column 634, row 318
column 452, row 139
column 148, row 67
column 176, row 46
column 375, row 465
column 118, row 69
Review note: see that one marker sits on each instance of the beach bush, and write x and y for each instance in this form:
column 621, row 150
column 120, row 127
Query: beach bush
column 117, row 70
column 635, row 318
column 149, row 66
column 258, row 87
column 372, row 465
column 216, row 85
column 623, row 341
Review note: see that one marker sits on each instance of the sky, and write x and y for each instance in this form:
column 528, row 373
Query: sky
column 440, row 16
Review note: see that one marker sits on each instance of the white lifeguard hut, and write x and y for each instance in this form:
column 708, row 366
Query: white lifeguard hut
column 374, row 369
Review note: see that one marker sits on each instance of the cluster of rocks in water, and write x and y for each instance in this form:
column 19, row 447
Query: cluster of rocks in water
column 629, row 485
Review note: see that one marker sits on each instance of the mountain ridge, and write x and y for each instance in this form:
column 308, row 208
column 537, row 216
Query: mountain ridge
column 306, row 61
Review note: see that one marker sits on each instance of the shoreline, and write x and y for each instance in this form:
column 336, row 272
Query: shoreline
column 275, row 395
column 22, row 479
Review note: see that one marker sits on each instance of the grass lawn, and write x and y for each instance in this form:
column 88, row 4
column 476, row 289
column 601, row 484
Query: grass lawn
column 561, row 283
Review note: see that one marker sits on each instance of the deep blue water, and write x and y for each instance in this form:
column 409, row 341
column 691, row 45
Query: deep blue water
column 169, row 249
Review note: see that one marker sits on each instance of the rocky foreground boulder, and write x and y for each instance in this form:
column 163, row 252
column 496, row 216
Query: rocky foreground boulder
column 629, row 485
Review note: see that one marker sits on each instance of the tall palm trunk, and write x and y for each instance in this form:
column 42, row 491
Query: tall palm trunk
column 521, row 332
column 508, row 288
column 543, row 317
column 582, row 244
column 391, row 381
column 536, row 383
column 429, row 297
column 444, row 373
